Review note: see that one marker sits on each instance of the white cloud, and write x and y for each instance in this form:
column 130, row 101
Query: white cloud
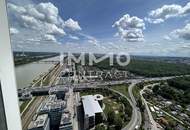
column 183, row 33
column 48, row 37
column 73, row 37
column 127, row 21
column 29, row 22
column 166, row 37
column 41, row 17
column 90, row 40
column 185, row 47
column 53, row 29
column 33, row 40
column 167, row 11
column 13, row 31
column 50, row 12
column 16, row 9
column 39, row 20
column 32, row 11
column 154, row 21
column 130, row 28
column 73, row 25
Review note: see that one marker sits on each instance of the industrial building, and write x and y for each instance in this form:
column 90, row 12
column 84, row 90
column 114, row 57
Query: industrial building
column 66, row 123
column 54, row 108
column 92, row 111
column 42, row 122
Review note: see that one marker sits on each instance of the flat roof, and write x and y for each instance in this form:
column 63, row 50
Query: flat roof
column 39, row 122
column 51, row 103
column 91, row 106
column 65, row 118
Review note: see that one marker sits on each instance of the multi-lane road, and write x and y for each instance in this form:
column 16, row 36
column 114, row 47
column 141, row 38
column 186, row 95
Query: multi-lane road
column 136, row 118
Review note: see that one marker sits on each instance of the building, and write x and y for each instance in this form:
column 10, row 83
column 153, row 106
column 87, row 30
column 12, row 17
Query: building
column 99, row 98
column 66, row 123
column 59, row 91
column 92, row 111
column 42, row 122
column 54, row 108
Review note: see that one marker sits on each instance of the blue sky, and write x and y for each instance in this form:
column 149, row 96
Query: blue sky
column 140, row 27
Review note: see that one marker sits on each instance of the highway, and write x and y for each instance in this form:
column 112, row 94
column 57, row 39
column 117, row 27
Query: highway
column 134, row 115
column 136, row 118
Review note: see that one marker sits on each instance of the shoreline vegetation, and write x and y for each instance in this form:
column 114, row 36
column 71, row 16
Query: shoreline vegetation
column 142, row 66
column 21, row 58
column 149, row 68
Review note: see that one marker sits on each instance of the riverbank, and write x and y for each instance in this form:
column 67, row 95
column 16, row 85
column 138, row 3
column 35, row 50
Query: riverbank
column 27, row 73
column 29, row 59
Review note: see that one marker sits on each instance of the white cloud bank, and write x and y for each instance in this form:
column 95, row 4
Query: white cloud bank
column 43, row 18
column 168, row 38
column 73, row 25
column 167, row 11
column 49, row 38
column 13, row 31
column 183, row 33
column 130, row 28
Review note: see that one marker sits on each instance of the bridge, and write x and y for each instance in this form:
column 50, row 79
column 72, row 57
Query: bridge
column 47, row 62
column 46, row 90
column 27, row 93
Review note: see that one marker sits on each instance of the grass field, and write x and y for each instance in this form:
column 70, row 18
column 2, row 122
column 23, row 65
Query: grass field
column 23, row 105
column 121, row 88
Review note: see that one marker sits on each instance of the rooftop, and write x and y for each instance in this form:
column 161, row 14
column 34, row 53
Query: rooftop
column 52, row 103
column 39, row 122
column 91, row 106
column 65, row 118
column 58, row 89
column 98, row 97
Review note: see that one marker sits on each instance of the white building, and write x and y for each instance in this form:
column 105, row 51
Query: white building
column 92, row 111
column 42, row 122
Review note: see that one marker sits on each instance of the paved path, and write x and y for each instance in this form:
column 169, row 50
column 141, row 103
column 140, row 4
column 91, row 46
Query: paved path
column 151, row 119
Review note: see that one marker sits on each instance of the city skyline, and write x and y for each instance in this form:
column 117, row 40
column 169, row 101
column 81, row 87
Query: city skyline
column 156, row 28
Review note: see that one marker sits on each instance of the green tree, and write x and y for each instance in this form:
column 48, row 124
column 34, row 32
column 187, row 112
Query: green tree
column 155, row 88
column 118, row 122
column 100, row 127
column 111, row 116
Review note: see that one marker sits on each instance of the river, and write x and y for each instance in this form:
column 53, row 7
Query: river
column 26, row 73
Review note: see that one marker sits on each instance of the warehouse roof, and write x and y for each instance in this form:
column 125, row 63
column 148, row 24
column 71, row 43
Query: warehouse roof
column 91, row 106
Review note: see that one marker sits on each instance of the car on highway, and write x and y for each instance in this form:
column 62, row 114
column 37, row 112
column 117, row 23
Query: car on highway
column 136, row 127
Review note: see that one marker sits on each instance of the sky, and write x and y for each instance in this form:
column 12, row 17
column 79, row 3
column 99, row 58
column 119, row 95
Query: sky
column 137, row 27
